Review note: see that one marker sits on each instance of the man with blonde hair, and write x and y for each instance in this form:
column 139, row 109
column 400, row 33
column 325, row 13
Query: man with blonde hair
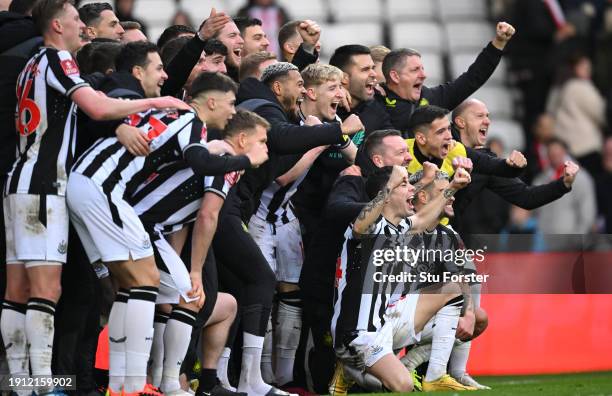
column 378, row 56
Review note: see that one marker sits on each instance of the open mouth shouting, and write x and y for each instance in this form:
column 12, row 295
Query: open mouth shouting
column 369, row 88
column 482, row 133
column 444, row 149
column 410, row 204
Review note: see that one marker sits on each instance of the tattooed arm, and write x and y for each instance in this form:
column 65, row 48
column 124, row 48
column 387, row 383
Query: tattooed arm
column 372, row 211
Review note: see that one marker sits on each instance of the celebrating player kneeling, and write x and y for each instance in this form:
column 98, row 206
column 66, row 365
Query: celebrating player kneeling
column 368, row 325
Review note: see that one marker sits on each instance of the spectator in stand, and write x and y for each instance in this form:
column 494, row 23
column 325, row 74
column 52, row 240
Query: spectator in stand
column 132, row 32
column 124, row 10
column 543, row 130
column 101, row 21
column 604, row 188
column 573, row 213
column 378, row 55
column 532, row 52
column 579, row 112
column 181, row 18
column 270, row 14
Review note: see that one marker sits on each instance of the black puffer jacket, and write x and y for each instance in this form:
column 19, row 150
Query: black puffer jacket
column 287, row 141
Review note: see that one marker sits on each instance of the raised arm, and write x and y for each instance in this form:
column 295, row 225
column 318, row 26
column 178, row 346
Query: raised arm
column 100, row 107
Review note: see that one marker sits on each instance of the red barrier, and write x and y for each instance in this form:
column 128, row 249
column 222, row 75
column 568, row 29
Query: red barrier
column 541, row 334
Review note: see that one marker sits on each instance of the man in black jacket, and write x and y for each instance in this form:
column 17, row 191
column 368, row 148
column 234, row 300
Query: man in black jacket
column 471, row 119
column 405, row 75
column 275, row 99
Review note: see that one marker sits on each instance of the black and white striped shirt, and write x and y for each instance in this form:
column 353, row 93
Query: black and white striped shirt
column 46, row 123
column 360, row 301
column 168, row 200
column 275, row 206
column 110, row 165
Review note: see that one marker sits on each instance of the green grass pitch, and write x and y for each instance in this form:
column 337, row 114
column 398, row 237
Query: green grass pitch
column 586, row 384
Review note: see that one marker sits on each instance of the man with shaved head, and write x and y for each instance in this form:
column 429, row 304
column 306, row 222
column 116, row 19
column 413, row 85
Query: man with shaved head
column 472, row 122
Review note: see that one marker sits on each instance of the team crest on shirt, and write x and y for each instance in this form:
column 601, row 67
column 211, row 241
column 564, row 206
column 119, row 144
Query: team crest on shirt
column 424, row 102
column 62, row 248
column 69, row 67
column 232, row 177
column 146, row 242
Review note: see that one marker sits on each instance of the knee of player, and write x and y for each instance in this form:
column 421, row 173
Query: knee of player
column 229, row 306
column 399, row 383
column 51, row 291
column 481, row 323
column 18, row 292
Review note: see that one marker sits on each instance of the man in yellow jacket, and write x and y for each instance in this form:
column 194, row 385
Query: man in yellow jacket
column 433, row 142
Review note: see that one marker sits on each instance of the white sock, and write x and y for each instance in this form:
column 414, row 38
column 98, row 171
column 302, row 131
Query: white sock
column 222, row 369
column 459, row 358
column 40, row 327
column 156, row 360
column 250, row 373
column 116, row 341
column 12, row 325
column 445, row 327
column 176, row 343
column 287, row 337
column 416, row 356
column 267, row 373
column 139, row 332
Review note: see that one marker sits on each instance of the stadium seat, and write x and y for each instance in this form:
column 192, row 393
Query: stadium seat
column 199, row 10
column 509, row 132
column 498, row 100
column 468, row 36
column 434, row 68
column 461, row 9
column 400, row 10
column 460, row 62
column 422, row 36
column 356, row 10
column 312, row 9
column 232, row 6
column 335, row 35
column 154, row 31
column 155, row 12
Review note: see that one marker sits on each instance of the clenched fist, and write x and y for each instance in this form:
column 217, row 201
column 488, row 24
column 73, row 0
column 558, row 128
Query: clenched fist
column 516, row 159
column 503, row 33
column 569, row 173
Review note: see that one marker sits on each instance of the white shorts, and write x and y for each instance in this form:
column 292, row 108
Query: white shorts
column 27, row 238
column 174, row 281
column 396, row 333
column 282, row 247
column 104, row 238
